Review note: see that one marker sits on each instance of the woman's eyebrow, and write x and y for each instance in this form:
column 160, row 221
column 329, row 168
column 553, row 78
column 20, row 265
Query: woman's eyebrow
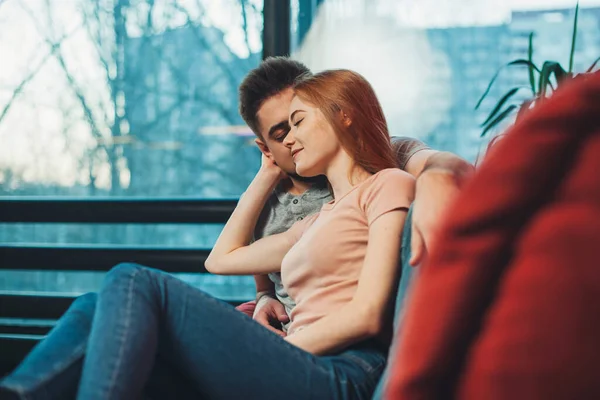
column 294, row 113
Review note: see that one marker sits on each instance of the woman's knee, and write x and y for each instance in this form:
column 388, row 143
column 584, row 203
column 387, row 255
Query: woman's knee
column 126, row 269
column 127, row 272
column 85, row 303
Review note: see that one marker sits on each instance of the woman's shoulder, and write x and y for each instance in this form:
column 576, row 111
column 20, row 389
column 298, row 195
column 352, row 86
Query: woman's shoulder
column 392, row 176
column 387, row 183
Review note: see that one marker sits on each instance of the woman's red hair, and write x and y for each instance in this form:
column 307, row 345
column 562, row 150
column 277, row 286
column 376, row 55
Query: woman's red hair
column 350, row 105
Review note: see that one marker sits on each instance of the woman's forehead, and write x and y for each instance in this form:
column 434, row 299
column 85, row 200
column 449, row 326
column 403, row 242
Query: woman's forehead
column 297, row 104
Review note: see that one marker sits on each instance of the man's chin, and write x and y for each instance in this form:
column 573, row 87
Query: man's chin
column 311, row 179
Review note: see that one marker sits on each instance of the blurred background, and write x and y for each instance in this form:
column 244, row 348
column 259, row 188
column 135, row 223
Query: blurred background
column 138, row 98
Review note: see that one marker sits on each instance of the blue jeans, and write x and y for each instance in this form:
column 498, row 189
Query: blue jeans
column 53, row 368
column 144, row 316
column 220, row 340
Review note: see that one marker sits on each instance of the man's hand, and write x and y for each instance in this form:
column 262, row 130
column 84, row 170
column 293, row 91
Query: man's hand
column 270, row 313
column 436, row 190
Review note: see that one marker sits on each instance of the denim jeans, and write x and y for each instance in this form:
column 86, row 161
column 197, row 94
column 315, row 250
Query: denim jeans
column 153, row 336
column 143, row 315
column 52, row 370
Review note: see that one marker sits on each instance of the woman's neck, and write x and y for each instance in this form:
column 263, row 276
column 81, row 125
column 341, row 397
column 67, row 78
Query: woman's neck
column 340, row 178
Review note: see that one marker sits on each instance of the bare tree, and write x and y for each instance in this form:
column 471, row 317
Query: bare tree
column 131, row 50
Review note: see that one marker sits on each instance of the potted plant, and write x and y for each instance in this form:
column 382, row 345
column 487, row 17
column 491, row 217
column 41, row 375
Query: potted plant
column 542, row 82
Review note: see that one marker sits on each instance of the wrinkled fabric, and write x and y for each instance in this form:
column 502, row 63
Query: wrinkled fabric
column 507, row 305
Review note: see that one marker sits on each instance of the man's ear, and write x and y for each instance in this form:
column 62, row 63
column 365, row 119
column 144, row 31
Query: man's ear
column 263, row 148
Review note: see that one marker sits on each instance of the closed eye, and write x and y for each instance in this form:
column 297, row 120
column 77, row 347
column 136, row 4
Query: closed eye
column 298, row 122
column 281, row 134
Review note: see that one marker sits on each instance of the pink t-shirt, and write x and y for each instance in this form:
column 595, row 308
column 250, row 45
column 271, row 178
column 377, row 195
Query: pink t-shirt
column 321, row 271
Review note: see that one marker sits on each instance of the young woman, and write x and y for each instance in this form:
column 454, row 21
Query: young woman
column 340, row 266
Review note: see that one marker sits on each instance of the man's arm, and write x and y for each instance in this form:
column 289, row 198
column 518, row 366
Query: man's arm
column 415, row 157
column 440, row 175
column 443, row 161
column 411, row 154
column 268, row 308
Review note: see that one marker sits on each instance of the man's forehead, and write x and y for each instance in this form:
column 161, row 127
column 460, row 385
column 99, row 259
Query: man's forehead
column 274, row 110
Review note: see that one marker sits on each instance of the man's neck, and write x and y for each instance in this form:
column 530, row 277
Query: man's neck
column 295, row 186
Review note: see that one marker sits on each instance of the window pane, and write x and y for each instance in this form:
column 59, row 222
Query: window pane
column 124, row 98
column 128, row 98
column 430, row 61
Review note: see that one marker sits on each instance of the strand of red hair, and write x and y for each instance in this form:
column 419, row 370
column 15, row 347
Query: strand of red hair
column 348, row 102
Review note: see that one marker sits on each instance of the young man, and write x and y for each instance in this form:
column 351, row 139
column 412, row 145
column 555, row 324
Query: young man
column 265, row 96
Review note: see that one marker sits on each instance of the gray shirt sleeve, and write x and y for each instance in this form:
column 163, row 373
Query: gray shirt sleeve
column 405, row 147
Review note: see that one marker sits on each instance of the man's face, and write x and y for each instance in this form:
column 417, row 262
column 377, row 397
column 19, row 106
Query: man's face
column 274, row 127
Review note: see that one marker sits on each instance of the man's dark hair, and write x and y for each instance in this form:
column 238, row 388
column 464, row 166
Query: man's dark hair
column 272, row 76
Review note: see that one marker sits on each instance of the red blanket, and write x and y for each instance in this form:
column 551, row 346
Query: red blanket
column 508, row 305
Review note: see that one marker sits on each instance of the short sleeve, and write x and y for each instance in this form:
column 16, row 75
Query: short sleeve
column 392, row 189
column 297, row 230
column 406, row 147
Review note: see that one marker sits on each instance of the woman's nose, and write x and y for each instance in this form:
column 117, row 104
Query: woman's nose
column 289, row 139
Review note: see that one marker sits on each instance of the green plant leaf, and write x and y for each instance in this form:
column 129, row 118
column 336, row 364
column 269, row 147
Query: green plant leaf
column 548, row 69
column 515, row 62
column 524, row 62
column 574, row 38
column 523, row 108
column 529, row 67
column 499, row 118
column 559, row 73
column 591, row 68
column 543, row 83
column 501, row 103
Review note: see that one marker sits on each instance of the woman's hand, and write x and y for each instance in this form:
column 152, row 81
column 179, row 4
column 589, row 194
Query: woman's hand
column 269, row 168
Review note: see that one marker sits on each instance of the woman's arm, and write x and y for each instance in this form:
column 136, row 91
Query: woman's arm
column 364, row 316
column 233, row 254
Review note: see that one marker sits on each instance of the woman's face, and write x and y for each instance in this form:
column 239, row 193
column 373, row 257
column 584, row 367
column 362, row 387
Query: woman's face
column 312, row 140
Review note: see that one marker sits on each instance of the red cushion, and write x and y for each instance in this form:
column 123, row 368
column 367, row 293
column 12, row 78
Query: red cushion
column 508, row 306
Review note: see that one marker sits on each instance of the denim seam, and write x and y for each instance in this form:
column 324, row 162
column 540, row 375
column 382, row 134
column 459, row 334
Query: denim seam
column 25, row 393
column 367, row 367
column 126, row 329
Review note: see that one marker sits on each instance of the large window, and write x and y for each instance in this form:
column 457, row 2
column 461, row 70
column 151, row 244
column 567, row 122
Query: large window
column 123, row 98
column 431, row 60
column 139, row 97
